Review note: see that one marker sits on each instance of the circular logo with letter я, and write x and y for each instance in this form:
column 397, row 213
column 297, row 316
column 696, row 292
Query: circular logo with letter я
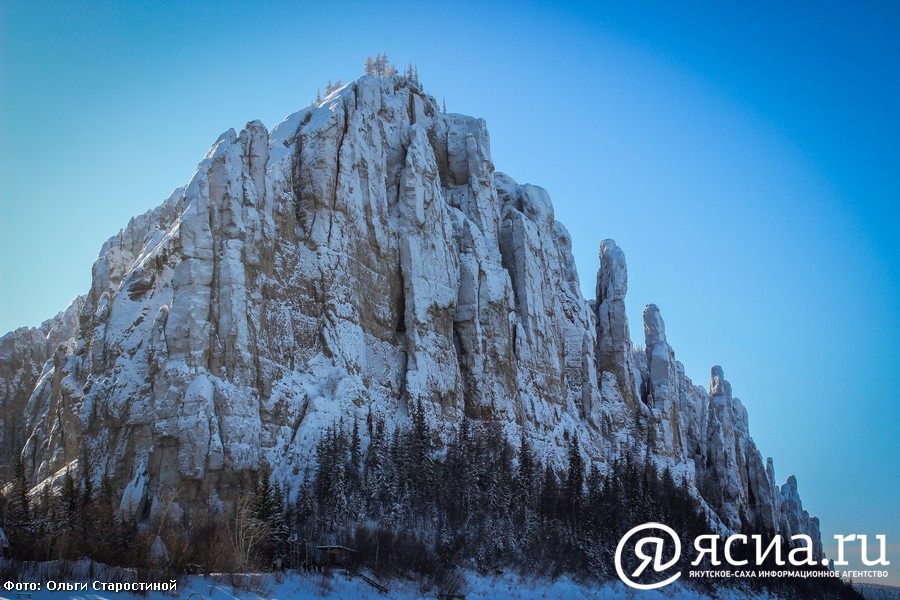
column 648, row 550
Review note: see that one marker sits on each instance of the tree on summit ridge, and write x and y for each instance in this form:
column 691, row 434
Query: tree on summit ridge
column 380, row 66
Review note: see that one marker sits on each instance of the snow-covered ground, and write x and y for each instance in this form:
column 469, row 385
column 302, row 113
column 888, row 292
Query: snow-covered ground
column 315, row 587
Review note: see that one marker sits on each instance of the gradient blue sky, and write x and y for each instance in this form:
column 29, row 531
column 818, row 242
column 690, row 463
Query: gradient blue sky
column 746, row 158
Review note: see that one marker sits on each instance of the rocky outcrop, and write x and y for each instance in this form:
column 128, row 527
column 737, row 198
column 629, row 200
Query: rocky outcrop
column 709, row 433
column 794, row 520
column 662, row 385
column 362, row 256
column 613, row 336
column 25, row 361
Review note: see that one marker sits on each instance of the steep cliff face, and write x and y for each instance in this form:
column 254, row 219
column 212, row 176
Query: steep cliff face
column 28, row 357
column 363, row 256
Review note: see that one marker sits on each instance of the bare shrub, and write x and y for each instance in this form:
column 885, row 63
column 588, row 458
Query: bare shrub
column 245, row 531
column 255, row 583
column 10, row 570
column 449, row 583
column 325, row 584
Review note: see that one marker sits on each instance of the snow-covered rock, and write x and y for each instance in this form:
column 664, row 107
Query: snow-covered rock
column 27, row 362
column 613, row 336
column 362, row 256
column 662, row 385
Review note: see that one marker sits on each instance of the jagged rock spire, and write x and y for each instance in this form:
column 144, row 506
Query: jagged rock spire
column 664, row 384
column 613, row 336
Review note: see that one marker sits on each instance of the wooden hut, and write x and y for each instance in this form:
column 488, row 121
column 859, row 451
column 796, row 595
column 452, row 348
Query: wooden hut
column 336, row 556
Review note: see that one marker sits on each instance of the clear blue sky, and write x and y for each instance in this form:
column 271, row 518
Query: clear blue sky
column 745, row 157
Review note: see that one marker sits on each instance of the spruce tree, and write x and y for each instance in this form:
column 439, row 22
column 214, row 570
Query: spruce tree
column 69, row 501
column 377, row 472
column 305, row 507
column 380, row 64
column 354, row 447
column 278, row 523
column 87, row 479
column 574, row 481
column 549, row 493
column 18, row 502
column 526, row 473
column 419, row 461
column 105, row 521
column 261, row 493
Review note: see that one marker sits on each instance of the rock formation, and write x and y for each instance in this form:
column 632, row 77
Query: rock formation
column 361, row 256
column 28, row 360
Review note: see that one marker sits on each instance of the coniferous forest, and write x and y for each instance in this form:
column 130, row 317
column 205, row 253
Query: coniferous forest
column 407, row 508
